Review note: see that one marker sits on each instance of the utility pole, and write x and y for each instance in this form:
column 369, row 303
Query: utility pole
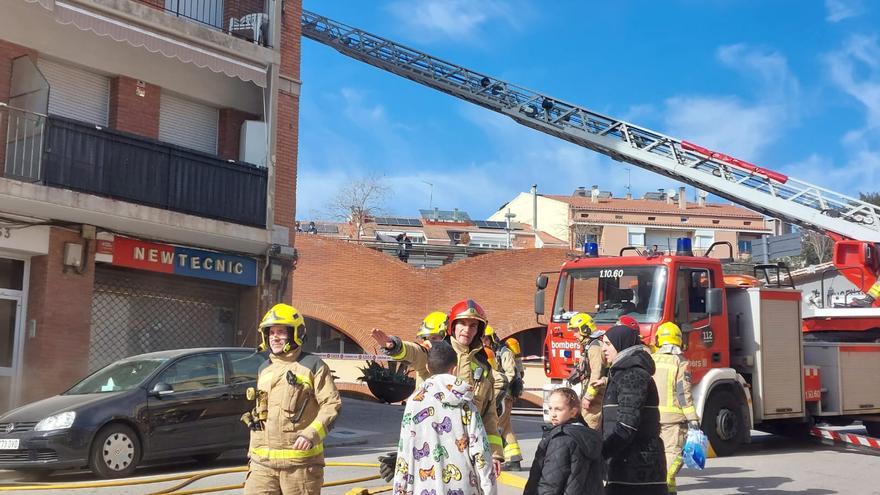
column 430, row 195
column 507, row 217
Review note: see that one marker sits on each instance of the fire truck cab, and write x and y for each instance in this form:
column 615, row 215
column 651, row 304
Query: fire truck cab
column 743, row 339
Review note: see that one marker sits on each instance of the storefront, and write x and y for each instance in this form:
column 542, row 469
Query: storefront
column 150, row 297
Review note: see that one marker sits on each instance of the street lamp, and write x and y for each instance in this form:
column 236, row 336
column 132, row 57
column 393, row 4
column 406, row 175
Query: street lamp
column 507, row 217
column 431, row 195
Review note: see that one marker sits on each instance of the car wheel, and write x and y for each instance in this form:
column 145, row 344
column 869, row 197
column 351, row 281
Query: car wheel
column 206, row 458
column 722, row 423
column 116, row 451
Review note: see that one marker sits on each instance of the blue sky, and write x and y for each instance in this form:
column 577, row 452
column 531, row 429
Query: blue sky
column 792, row 86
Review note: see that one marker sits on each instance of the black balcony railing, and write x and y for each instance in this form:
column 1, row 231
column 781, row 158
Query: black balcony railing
column 130, row 168
column 248, row 19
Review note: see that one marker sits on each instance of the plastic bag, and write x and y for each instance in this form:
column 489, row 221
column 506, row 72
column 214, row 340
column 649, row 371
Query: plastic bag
column 695, row 448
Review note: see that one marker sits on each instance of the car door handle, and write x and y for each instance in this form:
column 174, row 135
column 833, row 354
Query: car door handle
column 227, row 396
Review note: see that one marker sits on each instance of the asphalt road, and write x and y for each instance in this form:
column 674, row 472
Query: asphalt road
column 769, row 466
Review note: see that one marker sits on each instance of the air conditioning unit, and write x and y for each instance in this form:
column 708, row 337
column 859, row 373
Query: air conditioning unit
column 253, row 145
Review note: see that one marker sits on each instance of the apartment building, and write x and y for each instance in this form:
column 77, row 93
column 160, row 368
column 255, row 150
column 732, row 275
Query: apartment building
column 148, row 186
column 657, row 219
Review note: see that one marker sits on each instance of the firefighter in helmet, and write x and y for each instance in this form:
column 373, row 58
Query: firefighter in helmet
column 296, row 404
column 505, row 374
column 591, row 369
column 433, row 328
column 677, row 412
column 466, row 324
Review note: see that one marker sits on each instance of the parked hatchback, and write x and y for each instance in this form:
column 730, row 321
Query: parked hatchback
column 149, row 407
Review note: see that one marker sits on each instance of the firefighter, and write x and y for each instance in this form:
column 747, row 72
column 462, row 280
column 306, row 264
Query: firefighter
column 296, row 405
column 590, row 370
column 868, row 300
column 466, row 324
column 677, row 411
column 513, row 345
column 505, row 374
column 433, row 328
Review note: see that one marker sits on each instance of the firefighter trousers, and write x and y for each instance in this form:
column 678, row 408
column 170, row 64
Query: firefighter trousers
column 673, row 435
column 593, row 414
column 299, row 480
column 512, row 452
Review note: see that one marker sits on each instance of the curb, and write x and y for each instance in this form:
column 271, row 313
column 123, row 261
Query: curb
column 347, row 443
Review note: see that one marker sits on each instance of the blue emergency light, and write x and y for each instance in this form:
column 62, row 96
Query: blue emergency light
column 591, row 249
column 683, row 247
column 566, row 354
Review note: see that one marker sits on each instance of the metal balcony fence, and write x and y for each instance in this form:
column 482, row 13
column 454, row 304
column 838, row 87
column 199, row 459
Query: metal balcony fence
column 247, row 19
column 22, row 148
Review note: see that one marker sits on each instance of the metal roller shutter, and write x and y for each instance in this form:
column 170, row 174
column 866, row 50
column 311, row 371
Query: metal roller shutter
column 76, row 93
column 187, row 123
column 134, row 312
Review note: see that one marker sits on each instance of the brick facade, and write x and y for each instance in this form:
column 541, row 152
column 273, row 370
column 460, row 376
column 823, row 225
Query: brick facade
column 355, row 289
column 229, row 132
column 59, row 300
column 131, row 112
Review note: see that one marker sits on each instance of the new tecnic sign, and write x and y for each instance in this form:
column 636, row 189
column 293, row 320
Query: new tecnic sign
column 190, row 262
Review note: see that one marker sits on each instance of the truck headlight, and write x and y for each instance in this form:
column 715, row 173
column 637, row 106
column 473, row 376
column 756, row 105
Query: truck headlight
column 56, row 422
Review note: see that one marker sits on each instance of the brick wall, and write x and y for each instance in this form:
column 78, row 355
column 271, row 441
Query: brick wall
column 229, row 129
column 130, row 112
column 355, row 288
column 59, row 300
column 8, row 53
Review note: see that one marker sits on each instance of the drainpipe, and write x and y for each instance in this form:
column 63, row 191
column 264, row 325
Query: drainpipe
column 535, row 207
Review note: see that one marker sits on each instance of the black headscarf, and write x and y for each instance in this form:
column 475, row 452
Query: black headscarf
column 623, row 337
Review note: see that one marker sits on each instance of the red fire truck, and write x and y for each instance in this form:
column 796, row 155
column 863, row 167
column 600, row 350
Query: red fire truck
column 754, row 366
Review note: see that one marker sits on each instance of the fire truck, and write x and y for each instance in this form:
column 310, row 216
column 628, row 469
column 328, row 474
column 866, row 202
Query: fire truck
column 757, row 361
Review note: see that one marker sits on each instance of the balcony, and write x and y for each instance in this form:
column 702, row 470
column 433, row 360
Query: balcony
column 246, row 19
column 63, row 153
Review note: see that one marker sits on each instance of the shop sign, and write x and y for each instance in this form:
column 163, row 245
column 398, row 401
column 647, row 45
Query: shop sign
column 164, row 258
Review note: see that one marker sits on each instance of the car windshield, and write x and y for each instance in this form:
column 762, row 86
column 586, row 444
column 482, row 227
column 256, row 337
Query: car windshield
column 116, row 377
column 608, row 293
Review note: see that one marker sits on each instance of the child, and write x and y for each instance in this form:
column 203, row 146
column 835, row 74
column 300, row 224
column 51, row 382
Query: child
column 569, row 458
column 443, row 448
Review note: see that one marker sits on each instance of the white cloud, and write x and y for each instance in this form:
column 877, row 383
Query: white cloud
column 855, row 69
column 731, row 124
column 456, row 20
column 839, row 10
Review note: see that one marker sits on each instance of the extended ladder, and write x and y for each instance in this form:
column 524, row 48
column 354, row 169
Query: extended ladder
column 768, row 192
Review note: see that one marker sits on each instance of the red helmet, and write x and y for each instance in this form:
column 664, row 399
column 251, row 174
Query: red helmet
column 467, row 308
column 628, row 321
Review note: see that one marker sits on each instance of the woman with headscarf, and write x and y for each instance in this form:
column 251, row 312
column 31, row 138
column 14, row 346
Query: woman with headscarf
column 631, row 443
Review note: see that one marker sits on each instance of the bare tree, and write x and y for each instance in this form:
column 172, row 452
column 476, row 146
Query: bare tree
column 817, row 247
column 358, row 202
column 580, row 232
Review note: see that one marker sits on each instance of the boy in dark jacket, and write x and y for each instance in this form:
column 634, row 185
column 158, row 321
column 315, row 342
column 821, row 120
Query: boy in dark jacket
column 569, row 458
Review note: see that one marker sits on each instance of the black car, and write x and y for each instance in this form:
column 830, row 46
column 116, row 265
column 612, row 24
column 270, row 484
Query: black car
column 160, row 405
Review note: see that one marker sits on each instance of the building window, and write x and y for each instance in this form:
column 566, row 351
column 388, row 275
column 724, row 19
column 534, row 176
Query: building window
column 618, row 217
column 703, row 239
column 683, row 219
column 325, row 338
column 636, row 236
column 716, row 222
column 744, row 247
column 652, row 218
column 747, row 223
column 585, row 215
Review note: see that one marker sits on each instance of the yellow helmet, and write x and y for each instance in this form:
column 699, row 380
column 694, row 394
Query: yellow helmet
column 287, row 316
column 668, row 333
column 490, row 332
column 583, row 323
column 434, row 325
column 513, row 345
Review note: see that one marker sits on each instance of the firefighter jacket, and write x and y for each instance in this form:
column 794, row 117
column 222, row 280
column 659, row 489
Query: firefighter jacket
column 590, row 368
column 307, row 408
column 410, row 352
column 473, row 368
column 503, row 372
column 673, row 380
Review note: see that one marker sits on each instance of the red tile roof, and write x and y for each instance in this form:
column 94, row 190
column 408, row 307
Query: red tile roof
column 655, row 206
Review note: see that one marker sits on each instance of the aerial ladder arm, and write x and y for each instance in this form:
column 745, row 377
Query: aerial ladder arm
column 853, row 223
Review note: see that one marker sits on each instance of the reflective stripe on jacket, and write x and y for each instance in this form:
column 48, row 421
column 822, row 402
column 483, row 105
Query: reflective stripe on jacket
column 673, row 379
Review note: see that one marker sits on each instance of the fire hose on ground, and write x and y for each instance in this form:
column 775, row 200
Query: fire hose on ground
column 191, row 478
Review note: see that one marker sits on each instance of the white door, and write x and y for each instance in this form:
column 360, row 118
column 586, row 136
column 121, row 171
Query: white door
column 77, row 93
column 188, row 123
column 10, row 355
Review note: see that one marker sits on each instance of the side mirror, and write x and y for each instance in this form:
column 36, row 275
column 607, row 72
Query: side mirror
column 160, row 389
column 541, row 282
column 539, row 302
column 713, row 301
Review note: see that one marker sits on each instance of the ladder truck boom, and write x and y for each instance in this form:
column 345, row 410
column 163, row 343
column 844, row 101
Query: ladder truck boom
column 846, row 219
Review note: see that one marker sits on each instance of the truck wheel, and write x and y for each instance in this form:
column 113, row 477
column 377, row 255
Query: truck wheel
column 722, row 423
column 116, row 451
column 873, row 428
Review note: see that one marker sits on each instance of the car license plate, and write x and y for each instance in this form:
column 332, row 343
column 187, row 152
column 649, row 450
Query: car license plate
column 8, row 444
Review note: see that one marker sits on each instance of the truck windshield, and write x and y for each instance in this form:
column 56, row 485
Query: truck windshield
column 609, row 293
column 116, row 377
